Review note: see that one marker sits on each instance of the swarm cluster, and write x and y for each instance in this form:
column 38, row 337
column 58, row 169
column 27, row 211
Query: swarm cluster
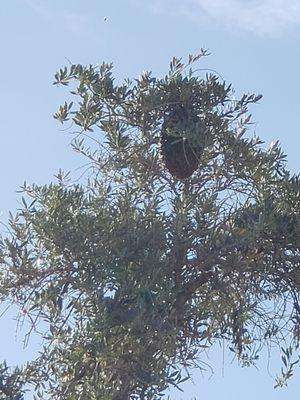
column 180, row 153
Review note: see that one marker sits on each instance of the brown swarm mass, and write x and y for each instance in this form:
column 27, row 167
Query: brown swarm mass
column 180, row 156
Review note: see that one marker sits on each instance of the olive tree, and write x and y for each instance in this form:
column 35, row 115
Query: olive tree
column 182, row 231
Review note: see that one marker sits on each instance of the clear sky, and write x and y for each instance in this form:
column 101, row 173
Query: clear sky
column 254, row 45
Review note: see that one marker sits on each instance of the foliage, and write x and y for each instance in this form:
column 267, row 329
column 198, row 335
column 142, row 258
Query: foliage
column 134, row 271
column 10, row 383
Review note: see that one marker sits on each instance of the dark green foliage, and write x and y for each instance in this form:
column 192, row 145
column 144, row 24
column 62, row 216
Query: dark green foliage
column 10, row 383
column 183, row 232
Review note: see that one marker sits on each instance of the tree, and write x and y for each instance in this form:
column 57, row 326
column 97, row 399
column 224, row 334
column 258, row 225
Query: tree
column 182, row 232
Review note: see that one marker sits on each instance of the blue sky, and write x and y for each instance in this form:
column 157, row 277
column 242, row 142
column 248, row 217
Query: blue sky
column 254, row 45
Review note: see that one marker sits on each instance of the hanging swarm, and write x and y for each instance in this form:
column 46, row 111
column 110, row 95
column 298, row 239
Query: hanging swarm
column 181, row 155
